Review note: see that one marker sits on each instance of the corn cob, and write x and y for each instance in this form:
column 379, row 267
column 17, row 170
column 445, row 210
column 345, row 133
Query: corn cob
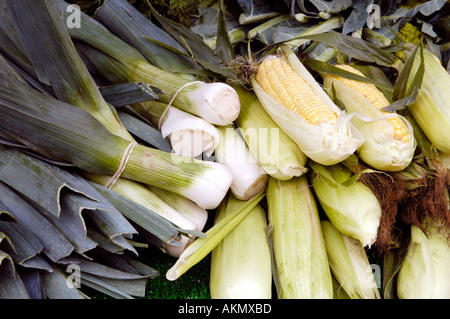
column 376, row 98
column 299, row 250
column 302, row 109
column 389, row 141
column 278, row 79
column 241, row 263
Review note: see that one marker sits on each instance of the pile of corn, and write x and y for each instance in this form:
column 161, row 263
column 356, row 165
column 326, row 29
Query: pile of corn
column 311, row 183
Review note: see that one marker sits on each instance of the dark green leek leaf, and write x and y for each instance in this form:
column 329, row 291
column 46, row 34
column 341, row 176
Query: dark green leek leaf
column 26, row 244
column 55, row 245
column 142, row 216
column 125, row 21
column 144, row 131
column 128, row 93
column 11, row 286
column 56, row 286
column 194, row 44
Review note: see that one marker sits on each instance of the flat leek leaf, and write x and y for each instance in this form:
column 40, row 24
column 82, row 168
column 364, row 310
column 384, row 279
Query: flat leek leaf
column 32, row 280
column 144, row 131
column 354, row 47
column 57, row 285
column 142, row 216
column 358, row 17
column 39, row 181
column 125, row 21
column 56, row 246
column 11, row 286
column 194, row 44
column 104, row 287
column 26, row 244
column 332, row 6
column 128, row 93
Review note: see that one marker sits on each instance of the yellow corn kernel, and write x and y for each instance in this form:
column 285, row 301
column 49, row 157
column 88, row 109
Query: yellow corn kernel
column 279, row 80
column 376, row 98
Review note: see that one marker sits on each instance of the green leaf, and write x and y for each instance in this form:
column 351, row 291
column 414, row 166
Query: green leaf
column 354, row 47
column 326, row 68
column 224, row 49
column 404, row 95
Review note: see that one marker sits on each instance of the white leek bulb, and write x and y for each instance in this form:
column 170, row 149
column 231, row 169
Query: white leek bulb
column 249, row 179
column 189, row 135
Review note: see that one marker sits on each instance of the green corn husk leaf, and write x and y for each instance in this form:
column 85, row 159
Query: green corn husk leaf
column 350, row 205
column 264, row 139
column 201, row 247
column 349, row 264
column 241, row 262
column 431, row 108
column 424, row 271
column 298, row 244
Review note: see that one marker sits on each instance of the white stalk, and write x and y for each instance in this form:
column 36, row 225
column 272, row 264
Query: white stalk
column 217, row 103
column 189, row 135
column 249, row 179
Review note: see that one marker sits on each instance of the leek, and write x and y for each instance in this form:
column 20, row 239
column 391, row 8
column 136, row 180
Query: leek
column 248, row 177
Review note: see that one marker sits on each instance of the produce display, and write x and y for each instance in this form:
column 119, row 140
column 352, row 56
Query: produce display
column 267, row 149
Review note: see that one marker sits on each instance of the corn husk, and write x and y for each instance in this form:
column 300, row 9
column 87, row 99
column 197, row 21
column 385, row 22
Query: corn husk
column 350, row 205
column 431, row 108
column 298, row 244
column 277, row 154
column 241, row 262
column 424, row 272
column 326, row 145
column 349, row 264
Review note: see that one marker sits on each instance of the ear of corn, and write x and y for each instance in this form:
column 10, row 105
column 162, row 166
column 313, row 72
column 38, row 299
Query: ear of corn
column 277, row 154
column 302, row 109
column 424, row 271
column 353, row 209
column 241, row 264
column 389, row 141
column 298, row 244
column 431, row 109
column 349, row 264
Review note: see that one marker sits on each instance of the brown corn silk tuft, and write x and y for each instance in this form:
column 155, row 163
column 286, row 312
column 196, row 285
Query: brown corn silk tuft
column 403, row 206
